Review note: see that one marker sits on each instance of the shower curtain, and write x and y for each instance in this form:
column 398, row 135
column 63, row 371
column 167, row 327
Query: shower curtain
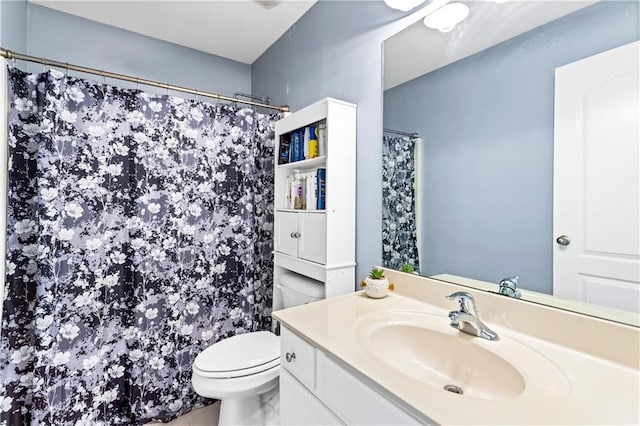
column 139, row 233
column 399, row 244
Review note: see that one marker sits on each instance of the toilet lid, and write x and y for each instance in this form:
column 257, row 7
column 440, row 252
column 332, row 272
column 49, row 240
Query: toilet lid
column 240, row 352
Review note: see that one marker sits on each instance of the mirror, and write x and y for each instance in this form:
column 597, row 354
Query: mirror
column 470, row 119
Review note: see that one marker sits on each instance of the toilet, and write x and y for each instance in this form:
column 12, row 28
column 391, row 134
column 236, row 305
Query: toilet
column 242, row 371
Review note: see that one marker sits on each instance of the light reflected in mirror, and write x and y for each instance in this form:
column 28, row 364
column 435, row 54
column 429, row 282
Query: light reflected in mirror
column 519, row 132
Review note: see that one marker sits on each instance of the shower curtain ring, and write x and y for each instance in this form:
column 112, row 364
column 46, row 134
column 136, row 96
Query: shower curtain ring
column 44, row 65
column 66, row 69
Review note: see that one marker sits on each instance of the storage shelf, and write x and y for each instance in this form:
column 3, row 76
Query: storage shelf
column 301, row 211
column 318, row 244
column 317, row 161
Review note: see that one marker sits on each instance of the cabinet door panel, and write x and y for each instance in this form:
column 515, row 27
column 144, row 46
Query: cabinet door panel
column 286, row 225
column 312, row 244
column 299, row 357
column 299, row 407
column 355, row 402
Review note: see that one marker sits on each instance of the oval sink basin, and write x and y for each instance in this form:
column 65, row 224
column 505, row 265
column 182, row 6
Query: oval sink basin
column 444, row 360
column 424, row 348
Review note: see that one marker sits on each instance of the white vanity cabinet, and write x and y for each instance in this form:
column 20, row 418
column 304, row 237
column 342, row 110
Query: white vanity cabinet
column 316, row 390
column 318, row 243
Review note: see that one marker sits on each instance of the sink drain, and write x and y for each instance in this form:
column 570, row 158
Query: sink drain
column 453, row 389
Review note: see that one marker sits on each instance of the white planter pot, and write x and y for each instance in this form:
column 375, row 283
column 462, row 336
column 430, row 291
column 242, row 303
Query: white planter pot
column 376, row 288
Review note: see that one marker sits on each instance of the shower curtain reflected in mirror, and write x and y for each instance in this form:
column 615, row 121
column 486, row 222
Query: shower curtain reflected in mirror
column 399, row 244
column 139, row 233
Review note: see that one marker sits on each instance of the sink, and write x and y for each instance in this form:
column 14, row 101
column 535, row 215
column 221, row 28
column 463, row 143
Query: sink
column 421, row 347
column 442, row 360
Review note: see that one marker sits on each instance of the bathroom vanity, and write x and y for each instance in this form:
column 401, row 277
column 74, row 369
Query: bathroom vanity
column 316, row 389
column 360, row 361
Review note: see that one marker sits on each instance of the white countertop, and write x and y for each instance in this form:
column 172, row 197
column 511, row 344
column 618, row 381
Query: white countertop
column 595, row 390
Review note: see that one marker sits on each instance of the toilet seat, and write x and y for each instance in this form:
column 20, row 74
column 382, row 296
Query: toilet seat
column 230, row 374
column 234, row 387
column 240, row 355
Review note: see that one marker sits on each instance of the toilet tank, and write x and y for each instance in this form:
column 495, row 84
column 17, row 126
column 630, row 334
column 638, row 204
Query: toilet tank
column 298, row 289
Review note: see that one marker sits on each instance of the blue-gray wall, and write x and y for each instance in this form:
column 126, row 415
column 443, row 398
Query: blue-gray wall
column 43, row 32
column 13, row 17
column 487, row 126
column 335, row 50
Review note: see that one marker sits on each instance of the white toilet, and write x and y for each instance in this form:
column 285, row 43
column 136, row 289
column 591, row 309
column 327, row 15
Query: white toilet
column 242, row 371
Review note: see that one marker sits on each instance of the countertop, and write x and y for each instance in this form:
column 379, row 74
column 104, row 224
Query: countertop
column 592, row 390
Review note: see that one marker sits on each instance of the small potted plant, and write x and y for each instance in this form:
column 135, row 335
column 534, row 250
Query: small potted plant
column 408, row 268
column 376, row 285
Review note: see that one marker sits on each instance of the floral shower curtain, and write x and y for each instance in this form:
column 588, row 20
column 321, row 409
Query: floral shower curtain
column 139, row 233
column 399, row 244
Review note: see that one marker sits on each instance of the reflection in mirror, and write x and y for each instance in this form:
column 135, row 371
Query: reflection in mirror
column 518, row 136
column 400, row 150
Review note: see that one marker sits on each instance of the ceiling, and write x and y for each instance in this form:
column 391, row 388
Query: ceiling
column 235, row 29
column 418, row 49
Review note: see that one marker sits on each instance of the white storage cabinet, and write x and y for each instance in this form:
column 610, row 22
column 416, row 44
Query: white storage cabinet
column 302, row 235
column 319, row 244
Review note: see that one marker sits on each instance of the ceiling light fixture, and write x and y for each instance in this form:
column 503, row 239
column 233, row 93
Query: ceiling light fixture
column 403, row 5
column 447, row 17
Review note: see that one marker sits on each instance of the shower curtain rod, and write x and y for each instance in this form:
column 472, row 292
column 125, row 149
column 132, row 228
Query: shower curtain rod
column 398, row 132
column 8, row 54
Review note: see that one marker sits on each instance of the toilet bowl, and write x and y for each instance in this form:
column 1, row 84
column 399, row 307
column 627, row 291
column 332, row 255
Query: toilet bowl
column 239, row 371
column 242, row 371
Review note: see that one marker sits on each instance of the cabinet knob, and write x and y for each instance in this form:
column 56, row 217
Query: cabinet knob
column 290, row 356
column 295, row 235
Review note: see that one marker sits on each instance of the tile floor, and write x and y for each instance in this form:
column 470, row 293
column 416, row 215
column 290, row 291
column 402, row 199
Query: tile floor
column 206, row 416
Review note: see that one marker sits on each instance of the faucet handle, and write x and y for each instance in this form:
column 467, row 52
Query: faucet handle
column 462, row 297
column 511, row 281
column 508, row 287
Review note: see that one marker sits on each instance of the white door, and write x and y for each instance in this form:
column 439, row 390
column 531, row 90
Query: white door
column 299, row 407
column 597, row 179
column 312, row 244
column 286, row 229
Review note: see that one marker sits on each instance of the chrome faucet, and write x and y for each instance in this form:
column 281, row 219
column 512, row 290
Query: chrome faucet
column 508, row 287
column 466, row 319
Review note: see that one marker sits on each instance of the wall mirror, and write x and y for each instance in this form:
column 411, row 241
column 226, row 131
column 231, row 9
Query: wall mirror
column 511, row 148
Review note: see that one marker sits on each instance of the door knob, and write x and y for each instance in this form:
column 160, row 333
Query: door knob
column 563, row 240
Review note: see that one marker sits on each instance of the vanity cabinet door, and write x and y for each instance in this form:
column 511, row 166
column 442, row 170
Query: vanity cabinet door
column 299, row 407
column 298, row 357
column 354, row 401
